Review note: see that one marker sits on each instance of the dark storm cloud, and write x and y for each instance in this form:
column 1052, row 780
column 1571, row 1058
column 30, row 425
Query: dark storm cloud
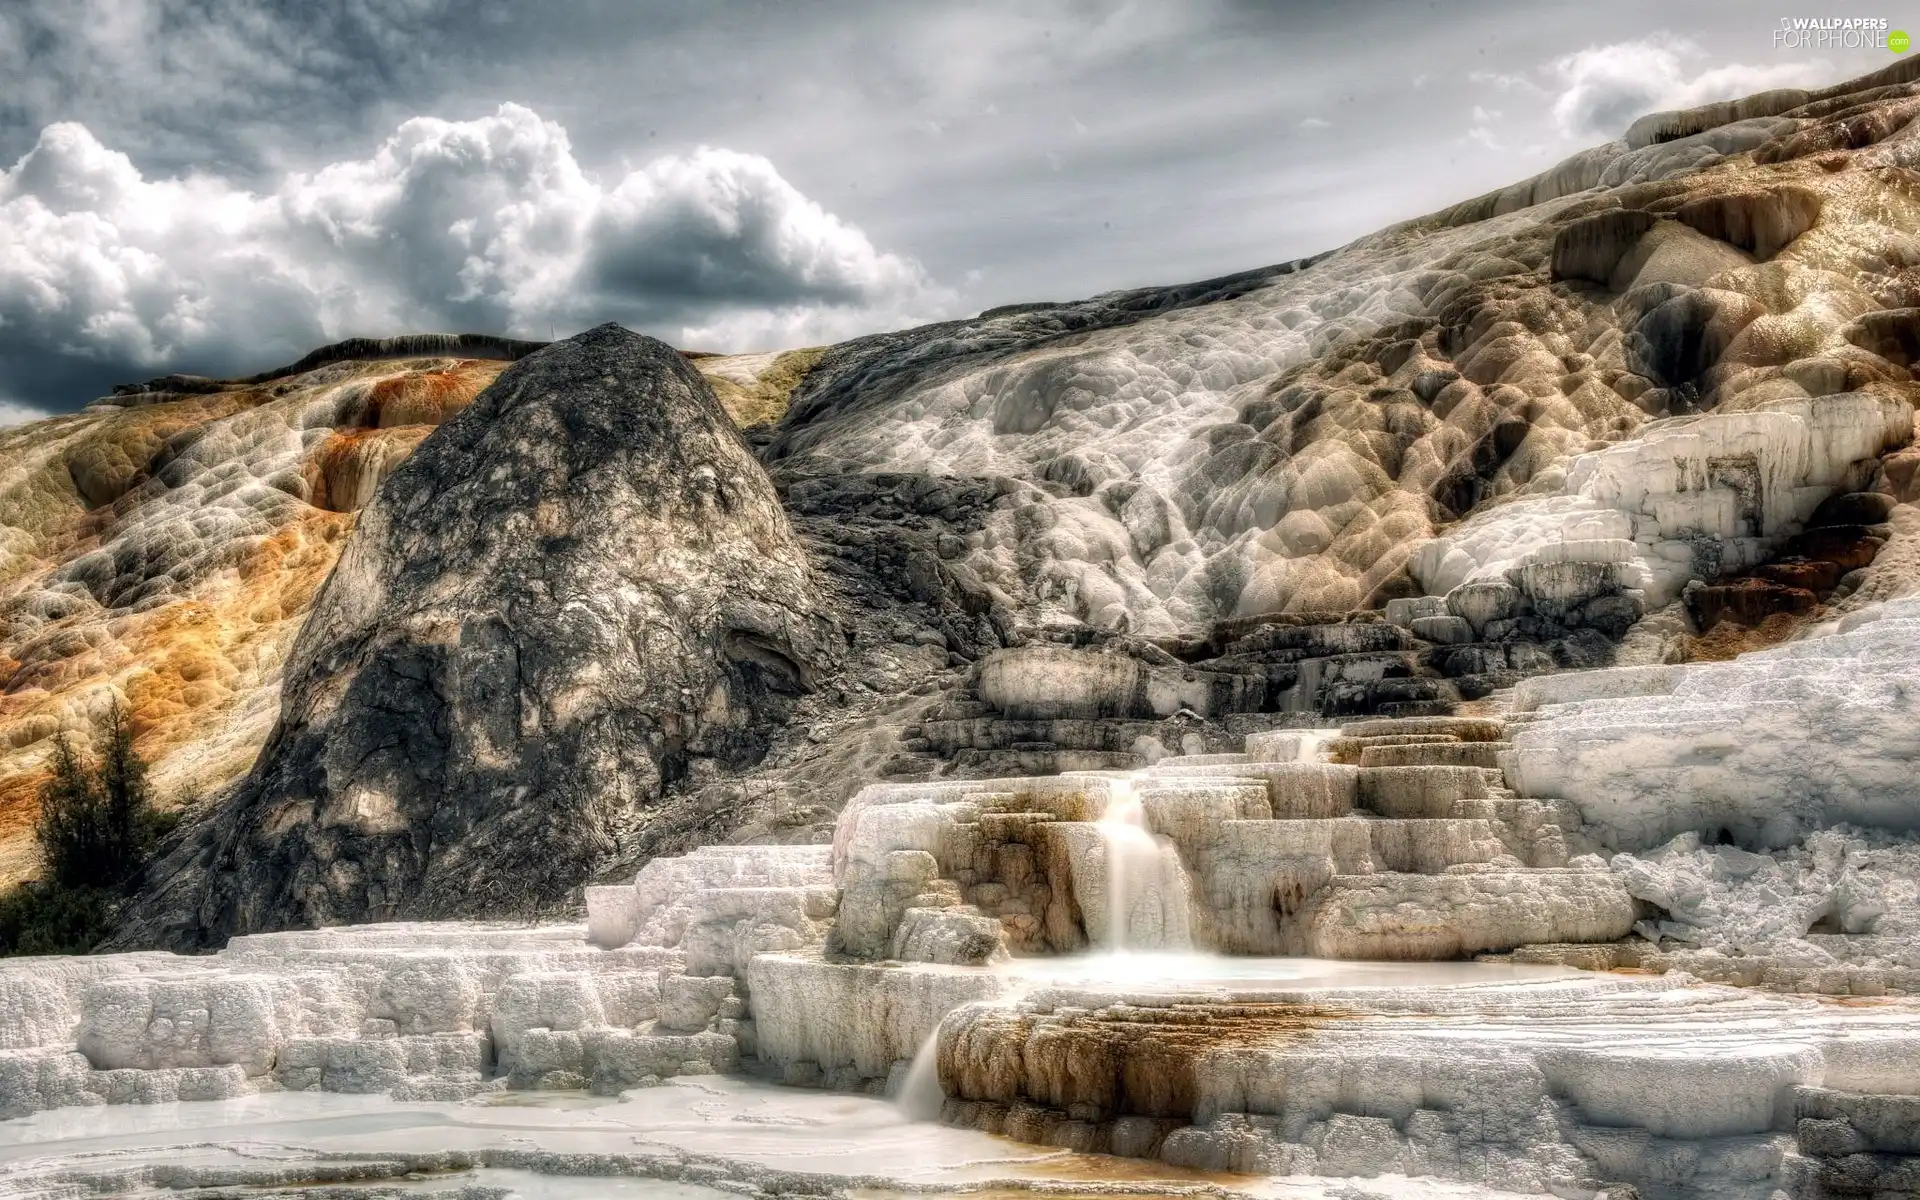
column 218, row 184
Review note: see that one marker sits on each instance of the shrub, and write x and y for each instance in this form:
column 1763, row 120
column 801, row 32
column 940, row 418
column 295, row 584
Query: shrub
column 45, row 918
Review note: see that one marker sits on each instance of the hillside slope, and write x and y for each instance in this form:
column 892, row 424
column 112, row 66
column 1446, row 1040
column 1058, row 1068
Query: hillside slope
column 1651, row 404
column 162, row 546
column 1290, row 440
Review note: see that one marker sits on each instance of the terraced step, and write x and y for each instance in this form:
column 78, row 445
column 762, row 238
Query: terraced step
column 1438, row 706
column 1440, row 754
column 1855, row 1123
column 1466, row 910
column 1418, row 792
column 1286, row 745
column 1349, row 847
column 993, row 732
column 1349, row 749
column 1466, row 729
column 1296, row 790
column 1042, row 759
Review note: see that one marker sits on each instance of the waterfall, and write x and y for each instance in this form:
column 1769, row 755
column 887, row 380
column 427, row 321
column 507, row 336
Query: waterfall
column 1312, row 746
column 921, row 1097
column 1142, row 886
column 1147, row 899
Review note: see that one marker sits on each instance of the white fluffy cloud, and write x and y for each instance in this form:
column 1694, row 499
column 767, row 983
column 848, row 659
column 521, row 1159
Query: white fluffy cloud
column 1602, row 89
column 486, row 225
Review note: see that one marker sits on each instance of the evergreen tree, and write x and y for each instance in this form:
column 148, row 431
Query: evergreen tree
column 97, row 829
column 70, row 824
column 126, row 802
column 97, row 825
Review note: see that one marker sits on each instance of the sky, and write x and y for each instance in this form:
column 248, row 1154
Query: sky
column 219, row 186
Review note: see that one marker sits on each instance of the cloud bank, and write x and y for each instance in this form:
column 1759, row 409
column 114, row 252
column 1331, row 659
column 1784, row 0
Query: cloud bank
column 12, row 414
column 486, row 225
column 1602, row 89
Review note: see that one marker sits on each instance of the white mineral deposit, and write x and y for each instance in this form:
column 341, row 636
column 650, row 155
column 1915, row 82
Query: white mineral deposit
column 1239, row 966
column 1434, row 719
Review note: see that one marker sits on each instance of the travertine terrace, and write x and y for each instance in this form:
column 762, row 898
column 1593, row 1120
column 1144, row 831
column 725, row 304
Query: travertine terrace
column 1275, row 989
column 1436, row 712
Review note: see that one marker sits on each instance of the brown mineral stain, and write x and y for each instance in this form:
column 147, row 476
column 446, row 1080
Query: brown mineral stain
column 428, row 397
column 199, row 669
column 1729, row 639
column 345, row 470
column 1124, row 1060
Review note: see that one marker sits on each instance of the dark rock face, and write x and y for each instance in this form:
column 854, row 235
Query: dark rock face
column 572, row 592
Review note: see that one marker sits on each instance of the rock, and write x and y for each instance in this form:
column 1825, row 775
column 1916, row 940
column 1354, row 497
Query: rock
column 1403, row 612
column 1479, row 604
column 1591, row 247
column 1687, row 329
column 157, row 1023
column 1852, row 508
column 1377, row 428
column 1446, row 630
column 580, row 588
column 1893, row 334
column 1692, row 500
column 1849, row 547
column 1149, row 466
column 1763, row 750
column 1747, row 601
column 688, row 1003
column 188, row 532
column 954, row 938
column 1761, row 222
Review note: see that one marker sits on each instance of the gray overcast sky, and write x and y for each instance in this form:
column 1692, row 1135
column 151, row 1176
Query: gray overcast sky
column 217, row 186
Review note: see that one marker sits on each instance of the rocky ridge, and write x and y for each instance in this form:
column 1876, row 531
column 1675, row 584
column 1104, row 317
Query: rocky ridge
column 548, row 616
column 163, row 546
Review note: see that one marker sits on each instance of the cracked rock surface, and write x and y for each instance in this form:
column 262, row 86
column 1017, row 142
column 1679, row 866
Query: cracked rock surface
column 584, row 585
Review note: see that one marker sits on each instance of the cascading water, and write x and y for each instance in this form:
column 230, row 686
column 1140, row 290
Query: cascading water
column 1311, row 746
column 921, row 1097
column 1147, row 903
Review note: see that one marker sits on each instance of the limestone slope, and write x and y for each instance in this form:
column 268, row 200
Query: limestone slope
column 561, row 604
column 1669, row 376
column 1316, row 436
column 162, row 546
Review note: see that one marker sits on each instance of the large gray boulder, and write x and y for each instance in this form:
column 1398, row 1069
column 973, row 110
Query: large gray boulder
column 570, row 595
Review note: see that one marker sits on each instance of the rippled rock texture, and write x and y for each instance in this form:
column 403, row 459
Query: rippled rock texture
column 1652, row 404
column 164, row 545
column 1715, row 309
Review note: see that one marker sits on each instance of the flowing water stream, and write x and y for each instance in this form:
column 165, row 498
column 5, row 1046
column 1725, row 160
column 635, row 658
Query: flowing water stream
column 1145, row 932
column 1148, row 900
